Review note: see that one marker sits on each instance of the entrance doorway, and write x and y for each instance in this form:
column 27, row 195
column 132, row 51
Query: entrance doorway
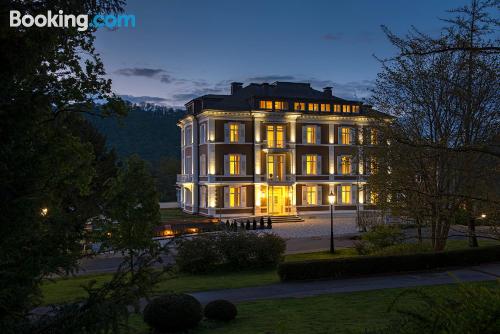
column 277, row 200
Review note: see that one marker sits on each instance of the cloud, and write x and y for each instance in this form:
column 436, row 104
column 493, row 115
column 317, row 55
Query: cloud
column 270, row 78
column 139, row 72
column 153, row 73
column 145, row 99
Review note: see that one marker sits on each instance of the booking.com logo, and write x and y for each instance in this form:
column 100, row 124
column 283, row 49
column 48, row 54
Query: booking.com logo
column 62, row 20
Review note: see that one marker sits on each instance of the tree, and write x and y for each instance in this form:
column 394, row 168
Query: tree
column 444, row 142
column 133, row 210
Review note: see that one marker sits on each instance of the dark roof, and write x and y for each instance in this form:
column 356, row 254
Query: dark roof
column 246, row 98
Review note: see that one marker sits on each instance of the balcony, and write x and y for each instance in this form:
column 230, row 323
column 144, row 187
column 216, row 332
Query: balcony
column 280, row 178
column 276, row 145
column 183, row 178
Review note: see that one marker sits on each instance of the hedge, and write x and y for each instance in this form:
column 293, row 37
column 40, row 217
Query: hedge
column 367, row 265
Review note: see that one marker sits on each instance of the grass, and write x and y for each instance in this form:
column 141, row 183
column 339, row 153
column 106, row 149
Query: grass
column 70, row 289
column 338, row 313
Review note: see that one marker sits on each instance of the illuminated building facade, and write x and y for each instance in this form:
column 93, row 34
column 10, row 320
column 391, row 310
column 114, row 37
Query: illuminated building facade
column 274, row 149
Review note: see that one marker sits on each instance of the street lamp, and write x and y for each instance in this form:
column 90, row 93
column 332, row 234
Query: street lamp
column 331, row 199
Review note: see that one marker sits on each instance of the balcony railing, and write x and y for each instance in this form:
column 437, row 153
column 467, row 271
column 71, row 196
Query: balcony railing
column 276, row 144
column 184, row 178
column 281, row 178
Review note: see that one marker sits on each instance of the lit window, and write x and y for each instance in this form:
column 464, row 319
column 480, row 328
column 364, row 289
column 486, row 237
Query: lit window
column 346, row 136
column 325, row 107
column 336, row 108
column 203, row 197
column 299, row 106
column 345, row 165
column 313, row 107
column 311, row 135
column 346, row 194
column 373, row 137
column 234, row 133
column 311, row 195
column 355, row 108
column 275, row 136
column 276, row 166
column 234, row 164
column 345, row 108
column 280, row 105
column 311, row 164
column 266, row 104
column 234, row 196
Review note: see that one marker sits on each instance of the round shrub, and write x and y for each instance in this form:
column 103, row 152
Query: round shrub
column 197, row 255
column 172, row 313
column 222, row 310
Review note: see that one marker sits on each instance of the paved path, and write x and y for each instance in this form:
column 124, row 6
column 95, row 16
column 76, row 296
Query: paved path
column 485, row 272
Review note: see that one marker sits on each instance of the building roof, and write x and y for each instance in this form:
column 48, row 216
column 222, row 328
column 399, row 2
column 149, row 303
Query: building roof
column 246, row 98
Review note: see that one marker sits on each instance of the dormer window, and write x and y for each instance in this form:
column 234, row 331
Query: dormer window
column 325, row 107
column 313, row 107
column 280, row 105
column 355, row 109
column 299, row 106
column 336, row 108
column 346, row 108
column 265, row 104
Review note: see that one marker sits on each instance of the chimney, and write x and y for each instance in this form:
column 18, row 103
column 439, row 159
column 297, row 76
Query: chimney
column 235, row 86
column 327, row 91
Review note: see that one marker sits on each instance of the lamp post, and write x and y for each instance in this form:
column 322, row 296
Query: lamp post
column 331, row 199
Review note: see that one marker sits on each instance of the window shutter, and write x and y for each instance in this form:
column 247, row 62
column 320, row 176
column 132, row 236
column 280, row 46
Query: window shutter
column 339, row 135
column 354, row 194
column 318, row 134
column 226, row 164
column 339, row 165
column 304, row 195
column 318, row 166
column 304, row 167
column 353, row 136
column 226, row 197
column 304, row 134
column 226, row 132
column 320, row 195
column 243, row 198
column 339, row 194
column 243, row 164
column 241, row 133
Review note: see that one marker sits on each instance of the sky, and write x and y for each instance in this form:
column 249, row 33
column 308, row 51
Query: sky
column 183, row 49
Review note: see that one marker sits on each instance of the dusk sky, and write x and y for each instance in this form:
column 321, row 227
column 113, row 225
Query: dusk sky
column 182, row 49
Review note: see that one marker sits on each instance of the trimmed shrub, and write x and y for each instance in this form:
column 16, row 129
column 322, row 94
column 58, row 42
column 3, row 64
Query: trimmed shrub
column 221, row 310
column 173, row 313
column 198, row 254
column 241, row 250
column 367, row 265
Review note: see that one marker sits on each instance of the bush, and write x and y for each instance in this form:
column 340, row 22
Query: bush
column 382, row 236
column 222, row 310
column 173, row 313
column 366, row 265
column 198, row 254
column 241, row 250
column 404, row 249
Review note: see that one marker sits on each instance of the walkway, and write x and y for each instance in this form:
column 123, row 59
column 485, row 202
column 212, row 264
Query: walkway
column 485, row 272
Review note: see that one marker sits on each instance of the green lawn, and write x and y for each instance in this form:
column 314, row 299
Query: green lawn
column 70, row 289
column 177, row 214
column 339, row 313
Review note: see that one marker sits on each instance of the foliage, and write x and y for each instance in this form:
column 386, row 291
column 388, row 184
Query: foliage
column 239, row 251
column 368, row 265
column 220, row 309
column 439, row 153
column 474, row 309
column 173, row 313
column 379, row 237
column 198, row 255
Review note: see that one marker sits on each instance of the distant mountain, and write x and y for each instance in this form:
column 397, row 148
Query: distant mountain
column 149, row 130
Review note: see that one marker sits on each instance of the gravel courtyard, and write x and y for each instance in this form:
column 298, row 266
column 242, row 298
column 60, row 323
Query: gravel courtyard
column 317, row 226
